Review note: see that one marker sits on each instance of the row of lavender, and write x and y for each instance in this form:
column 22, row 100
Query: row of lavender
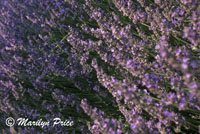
column 36, row 65
column 140, row 56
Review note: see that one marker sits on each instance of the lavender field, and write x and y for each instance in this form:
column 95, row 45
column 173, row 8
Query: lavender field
column 106, row 66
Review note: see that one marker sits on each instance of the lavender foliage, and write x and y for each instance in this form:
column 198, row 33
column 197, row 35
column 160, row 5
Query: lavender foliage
column 111, row 66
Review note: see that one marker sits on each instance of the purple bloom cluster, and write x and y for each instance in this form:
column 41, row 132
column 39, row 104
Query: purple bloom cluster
column 31, row 59
column 141, row 56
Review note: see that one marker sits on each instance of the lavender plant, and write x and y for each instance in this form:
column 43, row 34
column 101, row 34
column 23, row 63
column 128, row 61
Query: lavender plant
column 113, row 67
